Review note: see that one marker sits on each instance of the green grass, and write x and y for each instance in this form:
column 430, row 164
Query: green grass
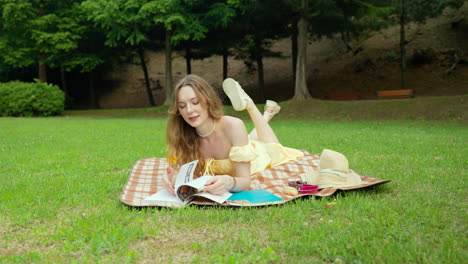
column 61, row 178
column 420, row 108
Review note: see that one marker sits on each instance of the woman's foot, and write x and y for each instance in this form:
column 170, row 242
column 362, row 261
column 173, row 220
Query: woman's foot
column 271, row 109
column 239, row 99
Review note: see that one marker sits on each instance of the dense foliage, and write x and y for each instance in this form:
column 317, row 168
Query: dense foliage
column 87, row 37
column 30, row 99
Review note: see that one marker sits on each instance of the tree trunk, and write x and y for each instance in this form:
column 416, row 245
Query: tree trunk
column 261, row 83
column 42, row 56
column 346, row 40
column 42, row 67
column 92, row 90
column 294, row 34
column 145, row 73
column 345, row 36
column 63, row 77
column 188, row 59
column 402, row 44
column 225, row 63
column 168, row 79
column 301, row 91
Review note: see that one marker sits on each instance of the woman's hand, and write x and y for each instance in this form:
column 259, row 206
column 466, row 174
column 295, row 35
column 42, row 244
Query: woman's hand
column 169, row 180
column 216, row 185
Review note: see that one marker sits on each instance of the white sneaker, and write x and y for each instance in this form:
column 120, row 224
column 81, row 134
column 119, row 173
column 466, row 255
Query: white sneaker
column 274, row 105
column 236, row 94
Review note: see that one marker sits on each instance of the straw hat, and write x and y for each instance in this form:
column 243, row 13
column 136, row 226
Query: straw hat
column 333, row 172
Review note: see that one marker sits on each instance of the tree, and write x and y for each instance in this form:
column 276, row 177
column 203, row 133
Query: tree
column 216, row 39
column 32, row 31
column 349, row 18
column 51, row 35
column 416, row 11
column 87, row 55
column 224, row 32
column 123, row 24
column 168, row 15
column 262, row 22
column 219, row 42
column 301, row 90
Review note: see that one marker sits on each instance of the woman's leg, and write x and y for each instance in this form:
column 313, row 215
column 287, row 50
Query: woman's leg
column 240, row 101
column 267, row 115
column 262, row 129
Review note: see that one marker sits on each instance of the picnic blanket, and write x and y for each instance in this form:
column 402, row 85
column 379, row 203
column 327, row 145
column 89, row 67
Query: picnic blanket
column 146, row 178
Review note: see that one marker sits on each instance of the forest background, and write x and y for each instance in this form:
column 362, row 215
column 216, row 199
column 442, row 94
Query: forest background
column 114, row 54
column 61, row 176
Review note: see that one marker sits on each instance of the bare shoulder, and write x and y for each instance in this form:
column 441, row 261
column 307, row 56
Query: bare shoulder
column 231, row 122
column 235, row 130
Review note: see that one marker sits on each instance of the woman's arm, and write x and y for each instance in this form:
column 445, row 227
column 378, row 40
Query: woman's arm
column 242, row 177
column 239, row 137
column 169, row 180
column 222, row 183
column 236, row 133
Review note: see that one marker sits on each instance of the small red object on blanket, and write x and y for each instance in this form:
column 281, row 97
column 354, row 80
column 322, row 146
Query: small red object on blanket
column 308, row 188
column 303, row 187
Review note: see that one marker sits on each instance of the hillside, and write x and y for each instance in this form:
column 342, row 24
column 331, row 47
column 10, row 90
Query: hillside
column 432, row 50
column 454, row 108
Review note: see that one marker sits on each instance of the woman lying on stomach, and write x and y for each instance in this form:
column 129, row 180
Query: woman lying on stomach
column 197, row 129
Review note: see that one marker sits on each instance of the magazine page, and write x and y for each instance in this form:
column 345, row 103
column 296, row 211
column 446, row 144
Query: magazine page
column 185, row 174
column 163, row 198
column 196, row 188
column 186, row 189
column 215, row 198
column 199, row 185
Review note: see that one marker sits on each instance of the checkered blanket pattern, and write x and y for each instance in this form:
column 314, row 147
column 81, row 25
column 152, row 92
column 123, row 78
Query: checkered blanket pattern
column 146, row 178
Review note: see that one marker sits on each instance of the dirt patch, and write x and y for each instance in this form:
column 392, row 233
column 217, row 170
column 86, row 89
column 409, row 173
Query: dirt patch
column 431, row 53
column 175, row 244
column 16, row 239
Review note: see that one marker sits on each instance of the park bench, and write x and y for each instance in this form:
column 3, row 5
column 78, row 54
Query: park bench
column 395, row 94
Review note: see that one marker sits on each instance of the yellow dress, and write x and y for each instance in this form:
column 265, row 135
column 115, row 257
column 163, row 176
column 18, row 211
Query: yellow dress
column 261, row 156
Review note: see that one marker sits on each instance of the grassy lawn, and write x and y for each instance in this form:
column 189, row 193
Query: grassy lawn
column 60, row 180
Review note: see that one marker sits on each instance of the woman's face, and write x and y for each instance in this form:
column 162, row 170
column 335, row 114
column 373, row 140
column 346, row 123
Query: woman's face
column 190, row 107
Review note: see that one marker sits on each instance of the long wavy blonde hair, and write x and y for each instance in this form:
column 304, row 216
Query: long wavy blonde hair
column 183, row 143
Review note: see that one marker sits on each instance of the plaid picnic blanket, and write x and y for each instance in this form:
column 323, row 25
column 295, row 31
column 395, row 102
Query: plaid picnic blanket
column 146, row 178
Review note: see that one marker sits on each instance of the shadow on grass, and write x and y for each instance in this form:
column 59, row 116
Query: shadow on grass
column 368, row 191
column 363, row 192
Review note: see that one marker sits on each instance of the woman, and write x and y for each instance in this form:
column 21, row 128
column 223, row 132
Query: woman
column 198, row 130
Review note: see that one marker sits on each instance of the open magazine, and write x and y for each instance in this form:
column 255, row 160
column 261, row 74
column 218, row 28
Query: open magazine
column 186, row 188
